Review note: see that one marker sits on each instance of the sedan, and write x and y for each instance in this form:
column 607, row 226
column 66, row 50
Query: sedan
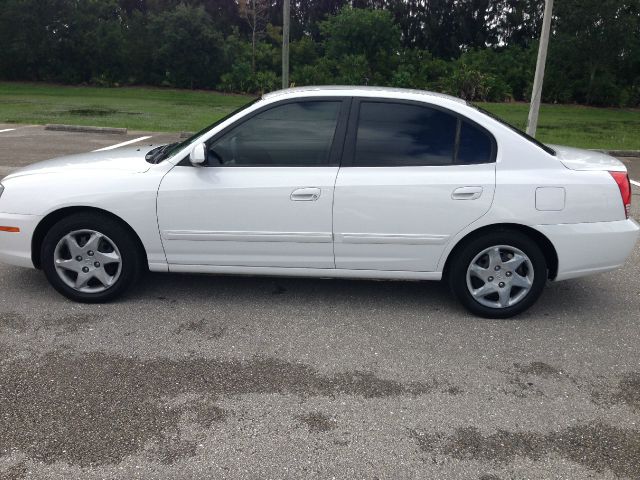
column 342, row 182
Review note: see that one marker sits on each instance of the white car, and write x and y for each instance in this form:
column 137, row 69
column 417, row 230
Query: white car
column 349, row 182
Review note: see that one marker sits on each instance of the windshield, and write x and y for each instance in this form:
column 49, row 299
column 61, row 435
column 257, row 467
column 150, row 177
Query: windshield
column 546, row 148
column 159, row 154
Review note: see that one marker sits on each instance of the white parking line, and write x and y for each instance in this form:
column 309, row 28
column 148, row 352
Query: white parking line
column 122, row 144
column 7, row 130
column 634, row 182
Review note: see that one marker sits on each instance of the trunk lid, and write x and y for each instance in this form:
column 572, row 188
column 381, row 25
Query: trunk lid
column 580, row 159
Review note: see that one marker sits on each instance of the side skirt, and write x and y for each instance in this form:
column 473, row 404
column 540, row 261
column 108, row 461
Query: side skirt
column 305, row 272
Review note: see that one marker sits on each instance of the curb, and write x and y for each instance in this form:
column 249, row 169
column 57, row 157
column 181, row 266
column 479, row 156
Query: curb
column 625, row 153
column 620, row 153
column 83, row 129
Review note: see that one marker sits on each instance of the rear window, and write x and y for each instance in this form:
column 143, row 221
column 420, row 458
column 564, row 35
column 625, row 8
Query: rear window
column 524, row 135
column 393, row 134
column 475, row 146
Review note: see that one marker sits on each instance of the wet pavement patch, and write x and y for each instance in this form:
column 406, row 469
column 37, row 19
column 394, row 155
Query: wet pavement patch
column 629, row 392
column 206, row 414
column 13, row 321
column 626, row 392
column 172, row 448
column 318, row 422
column 17, row 471
column 94, row 409
column 69, row 323
column 203, row 327
column 539, row 369
column 426, row 441
column 523, row 380
column 453, row 390
column 596, row 446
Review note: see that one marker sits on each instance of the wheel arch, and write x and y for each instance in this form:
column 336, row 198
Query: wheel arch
column 549, row 251
column 54, row 217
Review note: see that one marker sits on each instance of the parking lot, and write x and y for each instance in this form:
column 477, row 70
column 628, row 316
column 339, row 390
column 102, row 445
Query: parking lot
column 231, row 377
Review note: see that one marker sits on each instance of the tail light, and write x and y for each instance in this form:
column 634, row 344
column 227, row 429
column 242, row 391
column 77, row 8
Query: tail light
column 622, row 179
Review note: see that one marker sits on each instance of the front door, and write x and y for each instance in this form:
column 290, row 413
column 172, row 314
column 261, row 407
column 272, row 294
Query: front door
column 412, row 177
column 265, row 196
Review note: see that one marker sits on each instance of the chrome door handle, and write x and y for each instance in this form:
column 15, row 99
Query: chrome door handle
column 308, row 194
column 467, row 193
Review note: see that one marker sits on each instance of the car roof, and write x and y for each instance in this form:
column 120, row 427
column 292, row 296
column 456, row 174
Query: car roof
column 346, row 90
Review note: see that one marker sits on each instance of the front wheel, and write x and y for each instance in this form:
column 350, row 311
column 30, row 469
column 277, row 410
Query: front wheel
column 498, row 275
column 90, row 258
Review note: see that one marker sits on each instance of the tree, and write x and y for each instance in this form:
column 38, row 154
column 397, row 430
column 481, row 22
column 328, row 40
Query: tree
column 188, row 51
column 368, row 40
column 519, row 23
column 595, row 45
column 255, row 12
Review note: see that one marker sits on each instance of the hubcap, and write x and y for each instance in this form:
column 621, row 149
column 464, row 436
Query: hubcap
column 87, row 261
column 500, row 276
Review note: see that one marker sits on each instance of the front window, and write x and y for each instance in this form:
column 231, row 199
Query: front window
column 159, row 154
column 292, row 134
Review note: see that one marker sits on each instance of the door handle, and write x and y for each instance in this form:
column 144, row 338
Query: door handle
column 309, row 194
column 466, row 193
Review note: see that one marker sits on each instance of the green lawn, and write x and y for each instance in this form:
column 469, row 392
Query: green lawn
column 156, row 109
column 151, row 109
column 577, row 126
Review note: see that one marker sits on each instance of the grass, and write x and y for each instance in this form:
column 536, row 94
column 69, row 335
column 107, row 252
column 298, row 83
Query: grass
column 577, row 126
column 158, row 109
column 136, row 108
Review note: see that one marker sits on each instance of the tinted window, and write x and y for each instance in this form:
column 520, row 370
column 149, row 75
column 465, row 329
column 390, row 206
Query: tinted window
column 544, row 147
column 475, row 145
column 159, row 154
column 394, row 134
column 294, row 134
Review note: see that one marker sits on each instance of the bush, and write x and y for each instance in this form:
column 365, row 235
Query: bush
column 419, row 69
column 188, row 50
column 370, row 38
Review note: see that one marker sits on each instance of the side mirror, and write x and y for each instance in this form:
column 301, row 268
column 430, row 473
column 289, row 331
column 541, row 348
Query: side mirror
column 198, row 155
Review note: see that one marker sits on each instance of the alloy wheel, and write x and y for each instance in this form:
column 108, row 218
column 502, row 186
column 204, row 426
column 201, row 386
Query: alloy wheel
column 87, row 261
column 500, row 276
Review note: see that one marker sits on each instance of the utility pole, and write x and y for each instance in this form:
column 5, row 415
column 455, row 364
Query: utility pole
column 536, row 94
column 286, row 20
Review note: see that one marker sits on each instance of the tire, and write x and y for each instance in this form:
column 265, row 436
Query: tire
column 90, row 258
column 506, row 271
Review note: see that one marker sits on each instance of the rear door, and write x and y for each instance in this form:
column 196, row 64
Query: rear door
column 412, row 176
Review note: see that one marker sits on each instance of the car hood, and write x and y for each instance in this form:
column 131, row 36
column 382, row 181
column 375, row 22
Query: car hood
column 126, row 159
column 580, row 159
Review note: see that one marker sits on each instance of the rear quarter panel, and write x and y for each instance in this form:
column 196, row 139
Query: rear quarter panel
column 521, row 169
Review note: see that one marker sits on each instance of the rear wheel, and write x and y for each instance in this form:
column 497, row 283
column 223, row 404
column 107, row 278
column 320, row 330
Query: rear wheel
column 499, row 274
column 90, row 258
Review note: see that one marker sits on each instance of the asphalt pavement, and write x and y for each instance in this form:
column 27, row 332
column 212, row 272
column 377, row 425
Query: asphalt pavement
column 194, row 376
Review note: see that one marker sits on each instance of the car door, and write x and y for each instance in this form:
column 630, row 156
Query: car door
column 413, row 175
column 264, row 197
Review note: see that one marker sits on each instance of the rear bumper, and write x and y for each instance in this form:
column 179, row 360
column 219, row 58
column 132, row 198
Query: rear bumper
column 15, row 247
column 587, row 248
